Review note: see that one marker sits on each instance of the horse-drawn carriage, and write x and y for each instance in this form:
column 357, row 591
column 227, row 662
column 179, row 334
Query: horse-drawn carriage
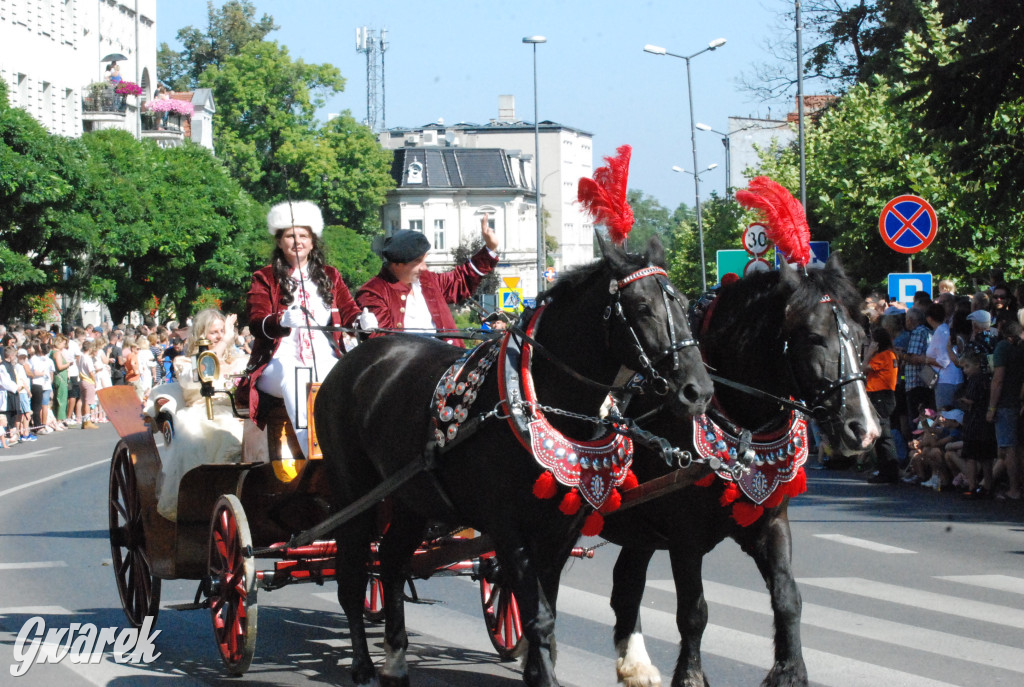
column 417, row 420
column 233, row 517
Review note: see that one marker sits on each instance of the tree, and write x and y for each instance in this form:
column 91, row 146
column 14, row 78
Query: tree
column 172, row 220
column 723, row 220
column 651, row 219
column 40, row 175
column 228, row 30
column 351, row 254
column 270, row 140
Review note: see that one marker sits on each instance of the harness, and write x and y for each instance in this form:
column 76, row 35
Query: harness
column 766, row 466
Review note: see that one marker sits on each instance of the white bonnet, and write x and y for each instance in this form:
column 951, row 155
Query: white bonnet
column 297, row 213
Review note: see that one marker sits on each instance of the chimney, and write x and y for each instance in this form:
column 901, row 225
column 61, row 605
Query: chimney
column 506, row 108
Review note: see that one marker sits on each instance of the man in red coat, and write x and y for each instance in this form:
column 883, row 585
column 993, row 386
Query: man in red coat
column 406, row 295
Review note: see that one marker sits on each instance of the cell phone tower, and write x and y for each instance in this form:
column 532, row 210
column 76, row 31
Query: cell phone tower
column 373, row 44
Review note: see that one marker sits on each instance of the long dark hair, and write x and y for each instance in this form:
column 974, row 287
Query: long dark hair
column 317, row 274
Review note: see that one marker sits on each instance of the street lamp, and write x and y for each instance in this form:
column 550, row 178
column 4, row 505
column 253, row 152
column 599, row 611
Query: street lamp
column 658, row 50
column 725, row 142
column 541, row 253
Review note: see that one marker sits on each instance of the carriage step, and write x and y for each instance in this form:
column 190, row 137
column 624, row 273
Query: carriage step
column 192, row 606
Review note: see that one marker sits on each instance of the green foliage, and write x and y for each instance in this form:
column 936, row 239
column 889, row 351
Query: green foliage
column 724, row 221
column 229, row 29
column 651, row 219
column 350, row 253
column 39, row 178
column 270, row 140
column 172, row 219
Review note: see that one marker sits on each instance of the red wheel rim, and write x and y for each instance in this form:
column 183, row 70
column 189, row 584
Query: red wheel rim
column 233, row 596
column 373, row 606
column 501, row 614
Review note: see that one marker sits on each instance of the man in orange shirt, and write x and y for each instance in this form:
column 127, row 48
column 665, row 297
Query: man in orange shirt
column 881, row 366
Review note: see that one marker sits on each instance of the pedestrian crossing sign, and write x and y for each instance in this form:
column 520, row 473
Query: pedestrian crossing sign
column 510, row 300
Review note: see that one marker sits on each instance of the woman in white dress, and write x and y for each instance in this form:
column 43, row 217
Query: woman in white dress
column 197, row 439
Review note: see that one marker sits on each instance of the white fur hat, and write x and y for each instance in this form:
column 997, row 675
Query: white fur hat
column 298, row 213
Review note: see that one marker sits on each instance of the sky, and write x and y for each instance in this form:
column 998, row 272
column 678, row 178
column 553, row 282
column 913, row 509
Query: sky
column 451, row 59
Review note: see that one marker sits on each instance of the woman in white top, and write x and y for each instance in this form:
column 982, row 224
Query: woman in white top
column 40, row 366
column 197, row 439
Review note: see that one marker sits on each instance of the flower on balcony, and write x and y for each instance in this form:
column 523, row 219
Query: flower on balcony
column 181, row 107
column 128, row 88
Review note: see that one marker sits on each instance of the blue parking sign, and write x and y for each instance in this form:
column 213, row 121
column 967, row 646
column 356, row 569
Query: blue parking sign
column 903, row 286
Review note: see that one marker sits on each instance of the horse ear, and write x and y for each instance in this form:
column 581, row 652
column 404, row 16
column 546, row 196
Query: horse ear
column 656, row 252
column 835, row 265
column 789, row 276
column 614, row 255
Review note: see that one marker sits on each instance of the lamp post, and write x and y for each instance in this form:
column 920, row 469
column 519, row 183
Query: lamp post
column 541, row 253
column 658, row 50
column 728, row 166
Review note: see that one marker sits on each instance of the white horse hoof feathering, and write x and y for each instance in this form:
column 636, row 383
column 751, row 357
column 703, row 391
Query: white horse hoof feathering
column 633, row 666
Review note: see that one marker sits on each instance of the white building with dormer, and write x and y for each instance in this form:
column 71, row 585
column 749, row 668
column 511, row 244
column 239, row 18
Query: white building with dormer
column 566, row 154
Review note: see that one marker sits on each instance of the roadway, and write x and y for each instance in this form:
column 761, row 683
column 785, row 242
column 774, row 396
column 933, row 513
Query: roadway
column 901, row 586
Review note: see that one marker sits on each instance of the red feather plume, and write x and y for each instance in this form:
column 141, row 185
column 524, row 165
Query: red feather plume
column 604, row 196
column 787, row 222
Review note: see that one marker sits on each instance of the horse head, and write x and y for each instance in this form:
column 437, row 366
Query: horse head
column 648, row 330
column 822, row 344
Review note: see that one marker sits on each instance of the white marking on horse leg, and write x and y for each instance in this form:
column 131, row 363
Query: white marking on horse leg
column 395, row 665
column 633, row 665
column 372, row 683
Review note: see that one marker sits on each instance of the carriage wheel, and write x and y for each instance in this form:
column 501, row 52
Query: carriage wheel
column 232, row 585
column 138, row 588
column 373, row 605
column 501, row 612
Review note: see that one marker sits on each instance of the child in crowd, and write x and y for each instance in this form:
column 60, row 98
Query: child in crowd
column 947, row 435
column 979, row 434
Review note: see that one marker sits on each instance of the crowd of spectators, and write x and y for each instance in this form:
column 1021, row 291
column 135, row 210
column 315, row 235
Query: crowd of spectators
column 946, row 377
column 50, row 378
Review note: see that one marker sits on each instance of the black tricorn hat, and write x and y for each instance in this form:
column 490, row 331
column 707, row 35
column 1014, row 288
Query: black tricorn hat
column 404, row 245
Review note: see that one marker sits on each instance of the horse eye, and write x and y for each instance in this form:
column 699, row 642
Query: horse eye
column 643, row 309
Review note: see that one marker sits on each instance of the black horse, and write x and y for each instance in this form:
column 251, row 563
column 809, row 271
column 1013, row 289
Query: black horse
column 374, row 419
column 780, row 332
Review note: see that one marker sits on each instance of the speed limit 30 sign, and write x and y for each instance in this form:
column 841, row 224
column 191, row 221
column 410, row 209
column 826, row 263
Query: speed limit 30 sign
column 755, row 239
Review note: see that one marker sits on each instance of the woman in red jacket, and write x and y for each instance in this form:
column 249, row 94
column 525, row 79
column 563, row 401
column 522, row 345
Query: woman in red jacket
column 295, row 291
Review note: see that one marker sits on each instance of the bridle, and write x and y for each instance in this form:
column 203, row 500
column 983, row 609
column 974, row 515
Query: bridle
column 647, row 364
column 848, row 373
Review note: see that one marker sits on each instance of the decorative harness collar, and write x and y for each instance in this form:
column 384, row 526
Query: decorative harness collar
column 595, row 467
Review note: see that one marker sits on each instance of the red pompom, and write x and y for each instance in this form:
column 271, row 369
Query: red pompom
column 545, row 487
column 593, row 525
column 571, row 503
column 630, row 481
column 729, row 494
column 613, row 502
column 746, row 513
column 797, row 485
column 706, row 481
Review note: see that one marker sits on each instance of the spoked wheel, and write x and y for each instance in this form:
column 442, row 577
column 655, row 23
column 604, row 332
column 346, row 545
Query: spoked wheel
column 139, row 589
column 232, row 585
column 373, row 605
column 501, row 611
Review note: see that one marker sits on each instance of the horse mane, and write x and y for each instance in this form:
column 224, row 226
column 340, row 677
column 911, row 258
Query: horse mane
column 578, row 277
column 764, row 292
